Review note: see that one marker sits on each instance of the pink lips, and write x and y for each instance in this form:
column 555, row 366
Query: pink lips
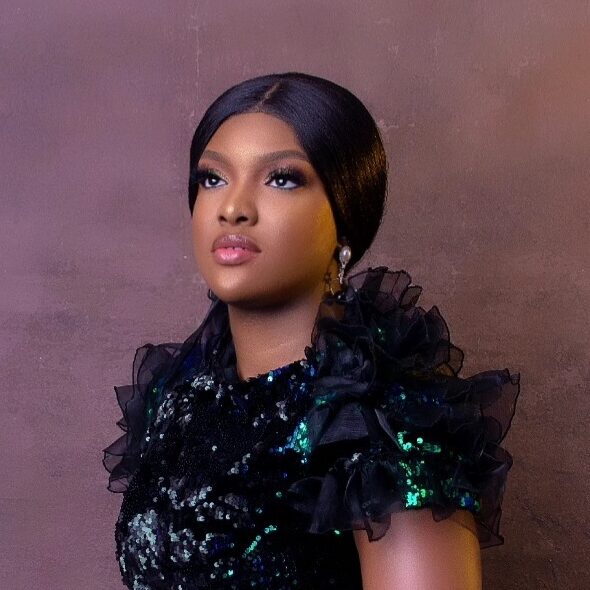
column 233, row 249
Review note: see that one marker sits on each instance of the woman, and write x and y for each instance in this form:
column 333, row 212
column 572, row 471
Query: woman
column 313, row 432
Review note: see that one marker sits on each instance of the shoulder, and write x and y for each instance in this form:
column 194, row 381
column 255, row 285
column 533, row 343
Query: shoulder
column 420, row 552
column 393, row 426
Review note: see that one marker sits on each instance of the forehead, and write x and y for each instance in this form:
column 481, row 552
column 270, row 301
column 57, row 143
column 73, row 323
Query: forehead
column 260, row 132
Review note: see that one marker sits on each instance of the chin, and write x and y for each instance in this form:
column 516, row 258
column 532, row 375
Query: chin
column 235, row 294
column 251, row 298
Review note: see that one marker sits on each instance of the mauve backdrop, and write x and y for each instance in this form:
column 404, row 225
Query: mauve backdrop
column 484, row 108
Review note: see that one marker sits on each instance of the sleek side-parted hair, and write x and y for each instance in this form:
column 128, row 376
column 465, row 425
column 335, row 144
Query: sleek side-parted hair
column 338, row 134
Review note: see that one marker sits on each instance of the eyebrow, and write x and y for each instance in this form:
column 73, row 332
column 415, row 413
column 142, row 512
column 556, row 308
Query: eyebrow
column 264, row 159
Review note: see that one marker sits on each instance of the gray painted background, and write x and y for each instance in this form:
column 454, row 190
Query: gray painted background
column 484, row 107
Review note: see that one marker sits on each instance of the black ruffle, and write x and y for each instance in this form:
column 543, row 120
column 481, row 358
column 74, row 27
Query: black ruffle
column 387, row 379
column 385, row 369
column 156, row 368
column 138, row 403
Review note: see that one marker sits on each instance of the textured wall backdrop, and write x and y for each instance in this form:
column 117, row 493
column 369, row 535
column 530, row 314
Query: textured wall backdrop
column 484, row 107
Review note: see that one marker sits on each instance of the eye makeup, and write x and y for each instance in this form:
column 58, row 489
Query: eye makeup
column 290, row 174
column 286, row 173
column 204, row 174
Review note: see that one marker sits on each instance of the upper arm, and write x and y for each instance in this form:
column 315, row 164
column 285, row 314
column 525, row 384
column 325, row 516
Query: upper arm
column 420, row 553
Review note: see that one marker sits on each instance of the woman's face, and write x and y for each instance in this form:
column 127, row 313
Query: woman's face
column 256, row 180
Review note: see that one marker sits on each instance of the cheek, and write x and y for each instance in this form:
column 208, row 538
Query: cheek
column 313, row 230
column 324, row 227
column 201, row 233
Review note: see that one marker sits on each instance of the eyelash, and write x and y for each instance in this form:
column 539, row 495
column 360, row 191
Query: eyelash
column 201, row 174
column 286, row 172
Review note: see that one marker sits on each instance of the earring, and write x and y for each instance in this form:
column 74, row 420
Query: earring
column 328, row 283
column 344, row 256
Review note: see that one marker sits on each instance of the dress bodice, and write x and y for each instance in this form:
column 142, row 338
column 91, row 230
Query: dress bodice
column 255, row 483
column 207, row 508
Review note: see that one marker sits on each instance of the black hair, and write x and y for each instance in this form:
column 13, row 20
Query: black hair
column 337, row 133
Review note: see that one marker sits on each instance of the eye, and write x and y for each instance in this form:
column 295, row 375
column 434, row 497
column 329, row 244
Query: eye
column 208, row 178
column 286, row 178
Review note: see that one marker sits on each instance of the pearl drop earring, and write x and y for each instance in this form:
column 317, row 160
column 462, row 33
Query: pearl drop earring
column 344, row 256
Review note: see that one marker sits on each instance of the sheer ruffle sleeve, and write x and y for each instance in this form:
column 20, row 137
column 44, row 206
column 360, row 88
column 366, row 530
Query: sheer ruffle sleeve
column 156, row 368
column 138, row 402
column 393, row 426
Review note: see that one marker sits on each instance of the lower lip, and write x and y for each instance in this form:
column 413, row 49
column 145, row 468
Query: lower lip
column 233, row 255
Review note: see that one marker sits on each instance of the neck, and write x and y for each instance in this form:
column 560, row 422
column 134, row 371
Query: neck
column 267, row 338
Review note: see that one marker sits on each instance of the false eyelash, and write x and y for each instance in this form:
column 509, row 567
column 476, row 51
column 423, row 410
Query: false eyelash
column 289, row 173
column 202, row 173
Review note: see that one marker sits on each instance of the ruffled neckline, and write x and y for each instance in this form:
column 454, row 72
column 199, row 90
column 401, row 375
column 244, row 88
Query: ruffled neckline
column 349, row 339
column 227, row 370
column 382, row 366
column 385, row 367
column 252, row 381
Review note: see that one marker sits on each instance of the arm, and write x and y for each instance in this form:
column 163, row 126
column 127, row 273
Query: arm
column 419, row 553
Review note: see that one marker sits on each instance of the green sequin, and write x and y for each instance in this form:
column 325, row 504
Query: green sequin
column 322, row 400
column 407, row 445
column 299, row 440
column 423, row 460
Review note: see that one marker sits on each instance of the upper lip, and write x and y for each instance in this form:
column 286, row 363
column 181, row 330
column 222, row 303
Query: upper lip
column 235, row 241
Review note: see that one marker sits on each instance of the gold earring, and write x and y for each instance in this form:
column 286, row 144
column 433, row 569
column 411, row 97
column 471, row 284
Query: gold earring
column 328, row 283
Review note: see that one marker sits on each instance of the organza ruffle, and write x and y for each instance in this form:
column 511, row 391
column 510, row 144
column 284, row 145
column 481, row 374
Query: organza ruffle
column 156, row 368
column 393, row 426
column 138, row 402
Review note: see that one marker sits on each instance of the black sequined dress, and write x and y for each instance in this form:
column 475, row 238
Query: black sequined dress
column 258, row 483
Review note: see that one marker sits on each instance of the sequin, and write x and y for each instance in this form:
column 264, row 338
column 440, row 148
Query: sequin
column 210, row 523
column 249, row 545
column 234, row 484
column 299, row 440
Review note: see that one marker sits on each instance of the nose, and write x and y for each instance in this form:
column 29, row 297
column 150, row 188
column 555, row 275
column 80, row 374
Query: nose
column 238, row 206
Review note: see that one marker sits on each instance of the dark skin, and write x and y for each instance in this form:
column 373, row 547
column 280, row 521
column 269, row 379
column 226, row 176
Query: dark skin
column 273, row 301
column 274, row 298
